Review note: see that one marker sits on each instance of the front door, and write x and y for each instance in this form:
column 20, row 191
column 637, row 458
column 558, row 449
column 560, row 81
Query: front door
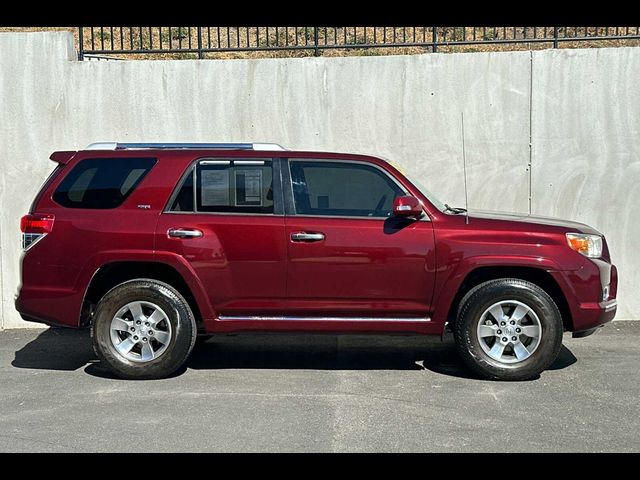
column 348, row 256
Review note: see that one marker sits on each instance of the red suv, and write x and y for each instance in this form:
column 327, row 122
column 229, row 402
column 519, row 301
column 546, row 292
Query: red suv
column 153, row 244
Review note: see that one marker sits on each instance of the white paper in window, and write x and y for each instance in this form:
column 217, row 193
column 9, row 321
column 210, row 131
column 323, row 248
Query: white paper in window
column 215, row 187
column 249, row 187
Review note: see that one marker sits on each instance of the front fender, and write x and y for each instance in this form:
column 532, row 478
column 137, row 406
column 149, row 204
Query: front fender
column 449, row 280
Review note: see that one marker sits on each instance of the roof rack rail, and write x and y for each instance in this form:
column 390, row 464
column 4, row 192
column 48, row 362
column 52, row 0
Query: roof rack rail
column 202, row 146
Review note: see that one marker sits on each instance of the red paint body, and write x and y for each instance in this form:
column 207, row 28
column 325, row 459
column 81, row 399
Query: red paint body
column 393, row 275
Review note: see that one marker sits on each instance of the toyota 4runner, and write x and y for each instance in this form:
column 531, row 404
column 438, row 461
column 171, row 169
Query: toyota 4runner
column 153, row 244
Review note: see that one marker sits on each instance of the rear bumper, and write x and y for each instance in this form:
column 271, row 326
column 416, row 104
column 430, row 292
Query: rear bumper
column 32, row 310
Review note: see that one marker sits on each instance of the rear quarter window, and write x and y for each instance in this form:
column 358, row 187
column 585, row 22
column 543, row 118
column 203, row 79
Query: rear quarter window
column 102, row 183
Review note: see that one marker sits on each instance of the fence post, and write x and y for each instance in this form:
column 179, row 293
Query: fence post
column 200, row 53
column 434, row 40
column 555, row 37
column 316, row 50
column 80, row 44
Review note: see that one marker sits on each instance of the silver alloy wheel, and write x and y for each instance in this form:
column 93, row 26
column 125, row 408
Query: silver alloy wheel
column 509, row 331
column 140, row 331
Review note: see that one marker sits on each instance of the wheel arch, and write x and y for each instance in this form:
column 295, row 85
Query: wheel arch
column 537, row 276
column 115, row 273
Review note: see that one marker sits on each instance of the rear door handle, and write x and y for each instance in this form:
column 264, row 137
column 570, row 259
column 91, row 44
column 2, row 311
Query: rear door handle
column 307, row 237
column 184, row 233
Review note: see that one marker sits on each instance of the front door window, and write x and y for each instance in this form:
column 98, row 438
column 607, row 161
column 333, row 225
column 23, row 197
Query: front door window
column 342, row 189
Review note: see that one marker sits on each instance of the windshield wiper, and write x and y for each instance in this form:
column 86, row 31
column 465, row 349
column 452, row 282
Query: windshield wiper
column 447, row 208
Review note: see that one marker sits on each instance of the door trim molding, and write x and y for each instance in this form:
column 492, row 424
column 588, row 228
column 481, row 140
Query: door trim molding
column 244, row 318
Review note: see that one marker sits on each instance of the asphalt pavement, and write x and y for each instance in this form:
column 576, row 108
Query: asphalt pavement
column 318, row 393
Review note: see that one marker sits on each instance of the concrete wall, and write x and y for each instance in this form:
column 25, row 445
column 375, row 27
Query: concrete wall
column 586, row 150
column 580, row 106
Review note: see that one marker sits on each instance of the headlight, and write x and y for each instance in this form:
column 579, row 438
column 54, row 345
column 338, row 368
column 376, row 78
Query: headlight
column 588, row 245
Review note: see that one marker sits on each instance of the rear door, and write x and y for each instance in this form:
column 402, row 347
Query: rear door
column 230, row 228
column 348, row 256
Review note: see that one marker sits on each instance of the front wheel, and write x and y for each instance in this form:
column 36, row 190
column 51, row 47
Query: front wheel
column 143, row 329
column 508, row 329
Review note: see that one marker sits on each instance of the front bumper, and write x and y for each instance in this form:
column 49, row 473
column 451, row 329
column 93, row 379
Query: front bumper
column 593, row 315
column 584, row 291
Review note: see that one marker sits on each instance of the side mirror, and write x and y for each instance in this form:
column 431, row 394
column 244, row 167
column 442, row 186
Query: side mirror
column 407, row 206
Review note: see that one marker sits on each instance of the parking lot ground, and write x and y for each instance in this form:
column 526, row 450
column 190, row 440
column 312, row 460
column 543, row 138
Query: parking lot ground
column 318, row 393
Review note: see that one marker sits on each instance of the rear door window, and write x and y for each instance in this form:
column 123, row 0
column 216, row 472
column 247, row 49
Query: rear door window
column 101, row 183
column 228, row 186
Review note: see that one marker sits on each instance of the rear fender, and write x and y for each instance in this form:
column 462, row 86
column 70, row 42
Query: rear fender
column 167, row 258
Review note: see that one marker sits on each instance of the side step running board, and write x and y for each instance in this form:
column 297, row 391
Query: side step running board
column 323, row 319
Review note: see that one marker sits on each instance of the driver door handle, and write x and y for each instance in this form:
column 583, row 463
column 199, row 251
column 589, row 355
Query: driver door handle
column 307, row 236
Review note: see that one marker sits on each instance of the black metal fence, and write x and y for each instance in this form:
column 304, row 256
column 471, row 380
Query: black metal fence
column 197, row 42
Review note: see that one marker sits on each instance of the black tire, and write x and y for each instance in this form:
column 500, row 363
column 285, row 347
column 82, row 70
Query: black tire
column 478, row 300
column 179, row 315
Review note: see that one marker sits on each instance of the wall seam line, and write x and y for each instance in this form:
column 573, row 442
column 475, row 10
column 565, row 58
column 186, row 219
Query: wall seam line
column 530, row 165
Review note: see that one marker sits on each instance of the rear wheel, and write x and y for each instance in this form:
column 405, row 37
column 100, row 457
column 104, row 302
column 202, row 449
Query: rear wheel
column 143, row 329
column 508, row 329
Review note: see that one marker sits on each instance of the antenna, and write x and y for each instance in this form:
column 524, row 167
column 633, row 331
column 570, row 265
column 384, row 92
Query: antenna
column 464, row 166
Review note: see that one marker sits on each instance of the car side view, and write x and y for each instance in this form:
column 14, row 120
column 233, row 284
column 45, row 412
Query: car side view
column 151, row 245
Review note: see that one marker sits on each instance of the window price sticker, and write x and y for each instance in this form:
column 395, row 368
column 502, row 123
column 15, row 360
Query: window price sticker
column 215, row 187
column 249, row 187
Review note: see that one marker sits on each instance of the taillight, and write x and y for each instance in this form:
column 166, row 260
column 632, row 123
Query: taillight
column 34, row 227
